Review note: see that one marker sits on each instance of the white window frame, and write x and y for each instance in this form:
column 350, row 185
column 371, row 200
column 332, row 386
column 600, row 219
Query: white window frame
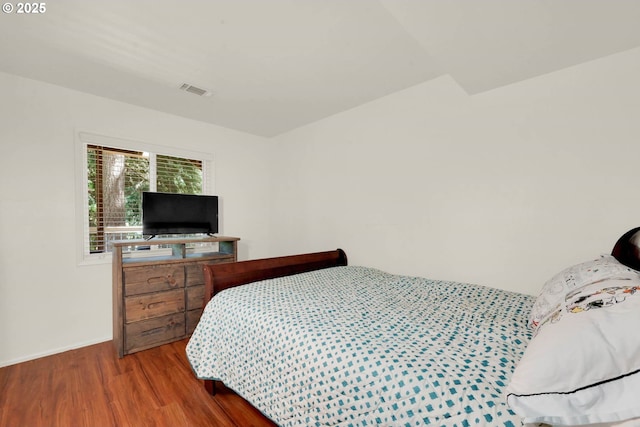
column 82, row 140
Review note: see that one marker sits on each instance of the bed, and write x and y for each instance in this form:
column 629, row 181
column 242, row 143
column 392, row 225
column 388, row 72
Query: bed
column 309, row 340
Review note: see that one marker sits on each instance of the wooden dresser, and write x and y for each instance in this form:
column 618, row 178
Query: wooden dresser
column 158, row 299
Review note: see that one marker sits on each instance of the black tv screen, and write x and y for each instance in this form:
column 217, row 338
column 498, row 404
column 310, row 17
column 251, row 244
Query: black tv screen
column 168, row 213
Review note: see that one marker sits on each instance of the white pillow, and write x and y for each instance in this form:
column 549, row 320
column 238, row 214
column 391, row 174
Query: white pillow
column 552, row 297
column 584, row 366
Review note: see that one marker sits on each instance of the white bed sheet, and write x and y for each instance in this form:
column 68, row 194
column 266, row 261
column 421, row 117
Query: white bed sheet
column 356, row 346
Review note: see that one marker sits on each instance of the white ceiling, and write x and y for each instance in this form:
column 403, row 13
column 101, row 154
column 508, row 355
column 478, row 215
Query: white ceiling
column 274, row 65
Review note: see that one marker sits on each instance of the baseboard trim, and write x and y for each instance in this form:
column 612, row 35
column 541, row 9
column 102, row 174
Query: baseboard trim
column 4, row 363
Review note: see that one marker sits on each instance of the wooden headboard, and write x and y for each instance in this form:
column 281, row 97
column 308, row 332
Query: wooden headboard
column 218, row 277
column 627, row 249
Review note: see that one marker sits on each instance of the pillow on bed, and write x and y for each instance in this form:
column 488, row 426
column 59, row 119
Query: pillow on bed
column 583, row 365
column 552, row 297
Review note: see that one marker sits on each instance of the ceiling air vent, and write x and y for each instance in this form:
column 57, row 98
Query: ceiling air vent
column 195, row 90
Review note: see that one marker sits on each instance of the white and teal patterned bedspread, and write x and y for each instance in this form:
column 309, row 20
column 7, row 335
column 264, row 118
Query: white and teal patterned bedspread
column 354, row 346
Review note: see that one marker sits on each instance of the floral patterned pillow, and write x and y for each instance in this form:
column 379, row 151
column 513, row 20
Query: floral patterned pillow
column 553, row 297
column 582, row 367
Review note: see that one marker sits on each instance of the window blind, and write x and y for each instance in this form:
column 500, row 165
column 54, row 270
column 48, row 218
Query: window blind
column 116, row 179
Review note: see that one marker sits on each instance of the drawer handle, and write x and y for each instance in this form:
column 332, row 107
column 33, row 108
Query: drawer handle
column 152, row 331
column 153, row 305
column 166, row 279
column 159, row 329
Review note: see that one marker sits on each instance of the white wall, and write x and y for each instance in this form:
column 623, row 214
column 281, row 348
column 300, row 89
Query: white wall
column 48, row 302
column 503, row 188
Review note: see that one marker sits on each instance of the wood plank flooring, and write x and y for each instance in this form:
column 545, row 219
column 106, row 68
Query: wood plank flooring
column 92, row 387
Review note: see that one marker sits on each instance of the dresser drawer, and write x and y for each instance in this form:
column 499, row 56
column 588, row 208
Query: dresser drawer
column 195, row 274
column 148, row 333
column 193, row 317
column 195, row 300
column 195, row 297
column 142, row 280
column 158, row 304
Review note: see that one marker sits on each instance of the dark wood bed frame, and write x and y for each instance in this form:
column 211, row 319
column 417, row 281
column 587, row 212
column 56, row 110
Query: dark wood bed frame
column 218, row 277
column 626, row 249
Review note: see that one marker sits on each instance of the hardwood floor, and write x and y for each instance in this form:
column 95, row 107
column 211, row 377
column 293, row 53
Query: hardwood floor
column 92, row 387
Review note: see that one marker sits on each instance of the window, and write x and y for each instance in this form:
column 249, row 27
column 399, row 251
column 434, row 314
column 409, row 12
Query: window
column 116, row 173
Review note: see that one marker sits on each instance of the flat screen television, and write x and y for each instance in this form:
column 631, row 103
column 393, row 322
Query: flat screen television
column 169, row 213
